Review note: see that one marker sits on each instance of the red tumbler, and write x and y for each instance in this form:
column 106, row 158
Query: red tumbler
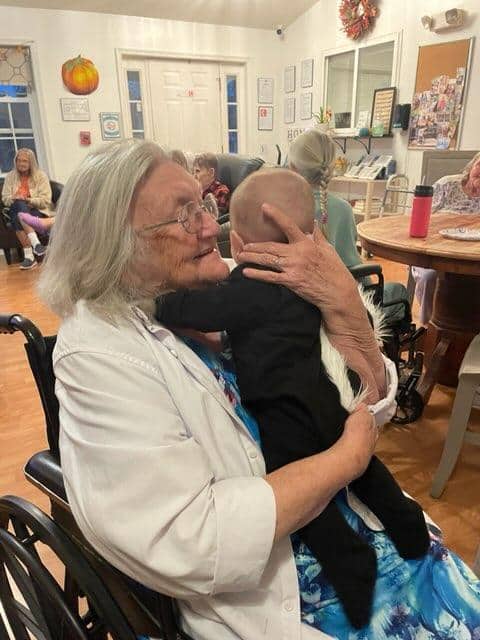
column 421, row 210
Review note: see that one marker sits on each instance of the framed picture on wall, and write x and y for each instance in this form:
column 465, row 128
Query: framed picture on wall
column 265, row 90
column 307, row 73
column 265, row 118
column 382, row 108
column 305, row 106
column 75, row 109
column 110, row 125
column 289, row 79
column 289, row 110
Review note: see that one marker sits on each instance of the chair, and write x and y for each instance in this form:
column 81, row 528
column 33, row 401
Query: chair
column 8, row 237
column 401, row 336
column 232, row 169
column 149, row 613
column 458, row 433
column 35, row 603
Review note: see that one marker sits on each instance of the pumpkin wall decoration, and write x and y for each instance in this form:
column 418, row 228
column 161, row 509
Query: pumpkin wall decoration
column 80, row 76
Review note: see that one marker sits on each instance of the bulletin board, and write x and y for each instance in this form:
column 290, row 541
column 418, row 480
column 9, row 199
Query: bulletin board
column 440, row 91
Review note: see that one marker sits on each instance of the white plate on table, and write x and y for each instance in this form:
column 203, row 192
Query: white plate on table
column 461, row 233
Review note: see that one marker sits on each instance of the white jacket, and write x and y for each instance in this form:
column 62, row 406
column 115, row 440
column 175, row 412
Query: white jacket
column 166, row 482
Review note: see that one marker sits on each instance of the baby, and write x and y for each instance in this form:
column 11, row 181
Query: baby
column 274, row 337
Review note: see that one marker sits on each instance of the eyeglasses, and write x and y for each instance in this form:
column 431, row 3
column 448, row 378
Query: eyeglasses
column 189, row 216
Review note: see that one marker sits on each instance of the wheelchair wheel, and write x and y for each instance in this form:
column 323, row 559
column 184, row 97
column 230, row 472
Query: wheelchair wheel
column 40, row 605
column 409, row 408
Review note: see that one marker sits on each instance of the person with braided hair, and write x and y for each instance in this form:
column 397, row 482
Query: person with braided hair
column 312, row 155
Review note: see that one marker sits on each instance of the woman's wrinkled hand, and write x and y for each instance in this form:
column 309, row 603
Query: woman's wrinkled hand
column 358, row 440
column 313, row 270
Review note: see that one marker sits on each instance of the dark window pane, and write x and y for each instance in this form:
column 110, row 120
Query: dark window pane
column 233, row 142
column 139, row 134
column 232, row 116
column 7, row 154
column 26, row 143
column 136, row 115
column 13, row 90
column 21, row 115
column 4, row 117
column 133, row 78
column 231, row 88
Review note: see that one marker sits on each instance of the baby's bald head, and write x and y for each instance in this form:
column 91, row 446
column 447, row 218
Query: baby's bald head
column 280, row 187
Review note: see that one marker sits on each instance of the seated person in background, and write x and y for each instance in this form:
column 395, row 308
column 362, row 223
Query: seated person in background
column 312, row 155
column 163, row 474
column 27, row 189
column 179, row 157
column 459, row 194
column 275, row 340
column 205, row 168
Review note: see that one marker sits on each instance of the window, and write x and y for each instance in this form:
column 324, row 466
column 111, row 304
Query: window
column 135, row 104
column 232, row 114
column 352, row 77
column 16, row 104
column 16, row 130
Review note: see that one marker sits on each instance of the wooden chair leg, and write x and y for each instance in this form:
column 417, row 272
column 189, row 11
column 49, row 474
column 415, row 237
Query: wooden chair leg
column 457, row 426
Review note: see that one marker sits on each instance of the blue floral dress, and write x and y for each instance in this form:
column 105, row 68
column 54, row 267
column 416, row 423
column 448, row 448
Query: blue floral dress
column 434, row 598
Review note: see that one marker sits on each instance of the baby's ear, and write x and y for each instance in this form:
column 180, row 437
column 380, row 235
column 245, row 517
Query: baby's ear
column 236, row 244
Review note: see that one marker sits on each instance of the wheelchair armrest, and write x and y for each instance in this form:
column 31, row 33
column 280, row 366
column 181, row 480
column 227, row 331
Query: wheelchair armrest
column 11, row 322
column 44, row 471
column 360, row 271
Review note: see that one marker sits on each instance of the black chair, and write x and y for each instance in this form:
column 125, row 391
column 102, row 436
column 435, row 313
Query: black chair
column 232, row 169
column 403, row 336
column 149, row 613
column 35, row 603
column 8, row 237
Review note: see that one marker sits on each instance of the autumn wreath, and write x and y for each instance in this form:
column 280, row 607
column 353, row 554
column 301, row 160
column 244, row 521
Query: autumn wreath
column 357, row 16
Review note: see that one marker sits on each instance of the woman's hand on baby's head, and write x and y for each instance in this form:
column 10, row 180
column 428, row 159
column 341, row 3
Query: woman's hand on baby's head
column 313, row 270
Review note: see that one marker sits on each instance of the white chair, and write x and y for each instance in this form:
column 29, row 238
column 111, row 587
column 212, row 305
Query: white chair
column 458, row 433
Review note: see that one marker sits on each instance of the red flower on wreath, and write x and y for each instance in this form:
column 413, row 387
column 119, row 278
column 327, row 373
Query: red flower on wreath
column 357, row 16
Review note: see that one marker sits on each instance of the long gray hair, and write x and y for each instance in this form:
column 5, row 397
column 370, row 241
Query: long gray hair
column 32, row 159
column 312, row 154
column 93, row 244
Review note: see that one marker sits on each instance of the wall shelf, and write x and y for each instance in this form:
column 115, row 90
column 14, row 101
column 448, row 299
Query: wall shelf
column 365, row 141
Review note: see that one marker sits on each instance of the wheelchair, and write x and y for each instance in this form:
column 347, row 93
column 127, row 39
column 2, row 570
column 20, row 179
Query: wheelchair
column 402, row 336
column 95, row 601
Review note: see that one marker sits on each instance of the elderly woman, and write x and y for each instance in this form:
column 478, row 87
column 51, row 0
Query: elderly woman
column 458, row 194
column 162, row 469
column 312, row 154
column 27, row 189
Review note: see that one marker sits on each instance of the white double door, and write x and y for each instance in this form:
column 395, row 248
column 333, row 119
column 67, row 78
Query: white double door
column 185, row 102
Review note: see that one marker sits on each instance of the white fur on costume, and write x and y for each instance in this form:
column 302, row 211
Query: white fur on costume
column 336, row 368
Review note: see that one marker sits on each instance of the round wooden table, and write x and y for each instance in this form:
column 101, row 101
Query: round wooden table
column 456, row 309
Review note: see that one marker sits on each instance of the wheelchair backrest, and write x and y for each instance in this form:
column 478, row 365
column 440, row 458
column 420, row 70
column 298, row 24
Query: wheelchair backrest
column 39, row 353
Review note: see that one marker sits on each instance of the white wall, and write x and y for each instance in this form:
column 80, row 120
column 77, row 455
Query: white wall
column 319, row 29
column 60, row 35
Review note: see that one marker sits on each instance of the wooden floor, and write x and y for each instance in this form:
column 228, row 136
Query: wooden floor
column 411, row 452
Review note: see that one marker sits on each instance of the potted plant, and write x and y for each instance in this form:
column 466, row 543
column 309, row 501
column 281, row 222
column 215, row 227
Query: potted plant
column 323, row 118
